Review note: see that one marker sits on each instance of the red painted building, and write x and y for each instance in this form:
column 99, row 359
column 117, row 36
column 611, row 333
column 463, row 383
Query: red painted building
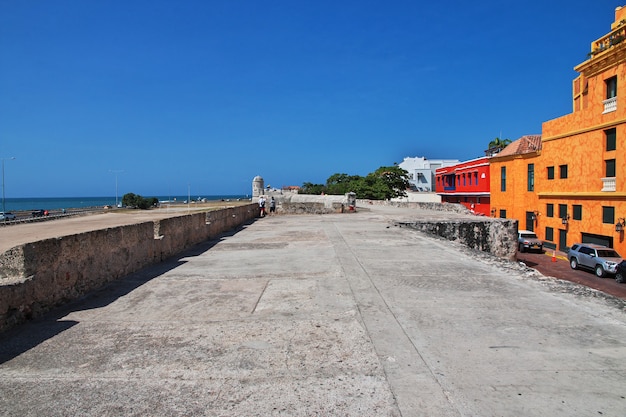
column 466, row 183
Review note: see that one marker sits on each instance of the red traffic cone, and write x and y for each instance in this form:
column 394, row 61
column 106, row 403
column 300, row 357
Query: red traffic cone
column 553, row 256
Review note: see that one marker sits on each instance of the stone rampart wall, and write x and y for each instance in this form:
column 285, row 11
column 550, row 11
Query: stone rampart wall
column 309, row 208
column 495, row 236
column 37, row 276
column 436, row 206
column 308, row 204
column 322, row 204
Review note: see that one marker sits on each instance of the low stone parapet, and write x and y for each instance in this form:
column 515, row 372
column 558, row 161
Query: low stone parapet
column 495, row 236
column 309, row 204
column 37, row 276
column 434, row 206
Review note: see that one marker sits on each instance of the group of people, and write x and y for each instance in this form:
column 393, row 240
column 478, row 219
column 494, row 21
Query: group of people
column 262, row 202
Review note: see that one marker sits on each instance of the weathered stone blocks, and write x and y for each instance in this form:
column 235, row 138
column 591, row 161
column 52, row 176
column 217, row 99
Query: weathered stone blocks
column 495, row 236
column 37, row 276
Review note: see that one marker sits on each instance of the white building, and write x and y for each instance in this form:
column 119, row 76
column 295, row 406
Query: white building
column 422, row 171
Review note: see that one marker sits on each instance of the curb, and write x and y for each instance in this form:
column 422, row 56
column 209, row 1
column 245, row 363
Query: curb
column 561, row 257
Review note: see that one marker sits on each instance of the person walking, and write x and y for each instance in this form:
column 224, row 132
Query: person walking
column 272, row 206
column 262, row 206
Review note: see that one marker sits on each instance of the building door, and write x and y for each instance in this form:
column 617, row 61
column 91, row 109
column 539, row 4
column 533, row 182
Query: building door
column 530, row 223
column 562, row 240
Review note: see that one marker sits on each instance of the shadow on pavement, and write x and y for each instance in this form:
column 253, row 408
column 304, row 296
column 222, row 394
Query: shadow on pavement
column 24, row 337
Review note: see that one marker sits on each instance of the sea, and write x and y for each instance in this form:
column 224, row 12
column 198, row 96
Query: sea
column 59, row 203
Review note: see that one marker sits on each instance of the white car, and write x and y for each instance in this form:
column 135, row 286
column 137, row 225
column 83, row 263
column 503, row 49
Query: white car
column 7, row 216
column 527, row 240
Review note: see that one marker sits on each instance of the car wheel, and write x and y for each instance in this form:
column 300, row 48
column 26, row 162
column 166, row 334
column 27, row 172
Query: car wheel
column 573, row 263
column 599, row 271
column 620, row 278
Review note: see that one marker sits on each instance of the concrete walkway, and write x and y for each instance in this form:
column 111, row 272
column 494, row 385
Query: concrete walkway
column 334, row 315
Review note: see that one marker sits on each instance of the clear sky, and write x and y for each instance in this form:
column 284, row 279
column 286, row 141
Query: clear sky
column 205, row 95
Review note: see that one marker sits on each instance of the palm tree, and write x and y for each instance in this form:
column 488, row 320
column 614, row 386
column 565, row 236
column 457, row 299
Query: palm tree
column 496, row 146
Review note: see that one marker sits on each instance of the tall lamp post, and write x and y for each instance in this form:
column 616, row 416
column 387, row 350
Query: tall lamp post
column 119, row 171
column 3, row 204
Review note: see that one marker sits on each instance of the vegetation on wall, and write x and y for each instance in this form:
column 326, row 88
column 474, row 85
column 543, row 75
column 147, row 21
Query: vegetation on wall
column 382, row 184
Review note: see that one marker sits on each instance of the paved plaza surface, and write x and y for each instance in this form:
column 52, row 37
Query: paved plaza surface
column 332, row 315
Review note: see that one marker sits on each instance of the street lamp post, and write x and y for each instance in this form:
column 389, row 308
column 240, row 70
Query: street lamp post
column 3, row 203
column 116, row 172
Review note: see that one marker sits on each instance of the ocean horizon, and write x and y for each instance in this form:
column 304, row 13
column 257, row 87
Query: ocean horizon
column 59, row 203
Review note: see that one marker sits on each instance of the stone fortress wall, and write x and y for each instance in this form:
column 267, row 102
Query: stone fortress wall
column 495, row 236
column 35, row 277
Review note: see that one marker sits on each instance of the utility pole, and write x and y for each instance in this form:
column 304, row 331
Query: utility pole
column 3, row 203
column 118, row 171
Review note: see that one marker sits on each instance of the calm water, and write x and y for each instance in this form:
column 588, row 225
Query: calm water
column 57, row 203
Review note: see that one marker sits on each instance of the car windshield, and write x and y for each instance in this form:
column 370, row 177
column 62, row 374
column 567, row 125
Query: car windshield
column 530, row 235
column 608, row 254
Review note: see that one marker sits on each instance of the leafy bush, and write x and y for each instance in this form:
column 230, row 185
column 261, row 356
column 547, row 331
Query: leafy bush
column 136, row 201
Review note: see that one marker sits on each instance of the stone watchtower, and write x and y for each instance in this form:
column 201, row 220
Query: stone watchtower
column 258, row 186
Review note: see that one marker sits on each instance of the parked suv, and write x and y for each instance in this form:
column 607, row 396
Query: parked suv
column 527, row 240
column 599, row 258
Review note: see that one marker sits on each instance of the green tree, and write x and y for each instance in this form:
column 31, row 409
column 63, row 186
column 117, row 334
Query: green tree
column 339, row 184
column 395, row 181
column 310, row 188
column 371, row 187
column 384, row 183
column 137, row 201
column 129, row 200
column 497, row 145
column 146, row 203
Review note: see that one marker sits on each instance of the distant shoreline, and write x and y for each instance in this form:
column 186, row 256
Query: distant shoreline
column 28, row 216
column 23, row 204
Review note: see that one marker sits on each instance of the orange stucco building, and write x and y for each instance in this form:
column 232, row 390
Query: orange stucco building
column 513, row 190
column 579, row 190
column 583, row 163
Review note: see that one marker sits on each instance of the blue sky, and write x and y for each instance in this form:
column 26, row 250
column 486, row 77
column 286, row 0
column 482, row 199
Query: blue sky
column 205, row 95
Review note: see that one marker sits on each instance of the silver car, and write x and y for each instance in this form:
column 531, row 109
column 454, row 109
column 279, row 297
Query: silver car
column 527, row 240
column 6, row 216
column 601, row 259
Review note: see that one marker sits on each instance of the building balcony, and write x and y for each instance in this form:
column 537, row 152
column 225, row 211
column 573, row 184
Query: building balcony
column 613, row 38
column 608, row 184
column 610, row 105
